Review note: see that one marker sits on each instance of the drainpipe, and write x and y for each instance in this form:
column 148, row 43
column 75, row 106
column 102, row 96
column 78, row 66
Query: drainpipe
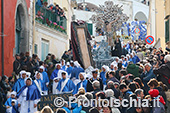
column 2, row 35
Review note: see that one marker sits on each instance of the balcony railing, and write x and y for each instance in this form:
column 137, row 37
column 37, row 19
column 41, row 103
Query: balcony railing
column 51, row 19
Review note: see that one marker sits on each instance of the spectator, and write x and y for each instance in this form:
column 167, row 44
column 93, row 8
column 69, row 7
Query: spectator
column 163, row 71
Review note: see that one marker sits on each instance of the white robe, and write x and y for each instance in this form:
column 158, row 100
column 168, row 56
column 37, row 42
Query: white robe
column 25, row 104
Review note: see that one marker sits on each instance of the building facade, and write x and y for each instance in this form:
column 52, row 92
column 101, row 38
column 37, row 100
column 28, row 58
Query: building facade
column 16, row 31
column 132, row 8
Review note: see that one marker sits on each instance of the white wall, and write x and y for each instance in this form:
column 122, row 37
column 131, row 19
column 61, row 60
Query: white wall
column 85, row 16
column 58, row 42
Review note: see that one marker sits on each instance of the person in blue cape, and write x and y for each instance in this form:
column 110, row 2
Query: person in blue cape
column 45, row 79
column 55, row 72
column 135, row 58
column 76, row 70
column 14, row 106
column 82, row 83
column 63, row 66
column 65, row 84
column 39, row 83
column 103, row 74
column 69, row 69
column 125, row 62
column 56, row 77
column 28, row 97
column 8, row 103
column 131, row 58
column 20, row 82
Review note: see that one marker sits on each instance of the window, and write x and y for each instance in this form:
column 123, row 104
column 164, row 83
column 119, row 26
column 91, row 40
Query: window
column 90, row 28
column 44, row 49
column 35, row 48
column 167, row 31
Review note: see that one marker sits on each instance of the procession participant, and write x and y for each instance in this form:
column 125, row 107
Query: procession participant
column 45, row 79
column 28, row 74
column 90, row 81
column 63, row 66
column 39, row 83
column 82, row 83
column 20, row 82
column 75, row 72
column 65, row 84
column 28, row 97
column 56, row 77
column 69, row 69
column 9, row 101
column 102, row 74
column 55, row 72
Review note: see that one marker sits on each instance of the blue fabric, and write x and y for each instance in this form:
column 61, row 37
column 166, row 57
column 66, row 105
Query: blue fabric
column 67, row 110
column 102, row 75
column 42, row 84
column 69, row 70
column 39, row 3
column 78, row 86
column 18, row 85
column 146, row 77
column 125, row 63
column 75, row 72
column 76, row 108
column 135, row 59
column 15, row 109
column 54, row 74
column 68, row 87
column 8, row 102
column 45, row 80
column 63, row 68
column 32, row 93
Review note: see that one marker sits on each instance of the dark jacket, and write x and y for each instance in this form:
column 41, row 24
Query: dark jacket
column 89, row 87
column 94, row 92
column 163, row 73
column 16, row 66
column 114, row 79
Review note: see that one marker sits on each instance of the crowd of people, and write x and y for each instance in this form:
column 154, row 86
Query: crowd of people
column 138, row 73
column 55, row 8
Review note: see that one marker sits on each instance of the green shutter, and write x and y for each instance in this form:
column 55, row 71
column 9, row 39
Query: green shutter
column 44, row 0
column 167, row 31
column 90, row 28
column 44, row 50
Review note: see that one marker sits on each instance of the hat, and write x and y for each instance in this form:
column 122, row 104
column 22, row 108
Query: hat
column 42, row 67
column 58, row 64
column 68, row 63
column 95, row 71
column 153, row 92
column 23, row 72
column 122, row 56
column 28, row 74
column 14, row 93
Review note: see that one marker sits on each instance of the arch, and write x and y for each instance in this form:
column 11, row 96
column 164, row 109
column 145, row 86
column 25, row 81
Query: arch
column 90, row 5
column 21, row 27
column 140, row 16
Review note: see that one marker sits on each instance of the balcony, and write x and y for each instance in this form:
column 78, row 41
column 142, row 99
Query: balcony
column 51, row 19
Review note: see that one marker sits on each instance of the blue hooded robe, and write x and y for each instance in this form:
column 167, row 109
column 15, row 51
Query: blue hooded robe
column 68, row 87
column 78, row 86
column 76, row 71
column 32, row 92
column 18, row 85
column 45, row 80
column 103, row 77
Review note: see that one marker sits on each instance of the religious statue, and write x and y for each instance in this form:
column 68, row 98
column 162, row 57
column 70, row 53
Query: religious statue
column 110, row 17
